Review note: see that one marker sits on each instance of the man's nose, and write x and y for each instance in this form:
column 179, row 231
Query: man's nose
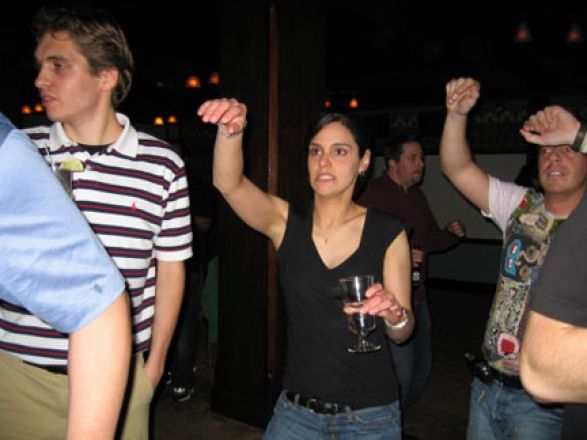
column 42, row 78
column 557, row 154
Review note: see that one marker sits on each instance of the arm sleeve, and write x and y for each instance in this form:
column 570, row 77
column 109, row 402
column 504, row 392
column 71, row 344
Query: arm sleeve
column 504, row 197
column 561, row 289
column 174, row 241
column 51, row 263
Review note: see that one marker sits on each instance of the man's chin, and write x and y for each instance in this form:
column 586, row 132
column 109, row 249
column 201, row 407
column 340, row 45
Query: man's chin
column 52, row 116
column 50, row 113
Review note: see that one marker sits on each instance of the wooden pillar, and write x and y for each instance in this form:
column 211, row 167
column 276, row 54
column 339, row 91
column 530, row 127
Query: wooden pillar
column 273, row 60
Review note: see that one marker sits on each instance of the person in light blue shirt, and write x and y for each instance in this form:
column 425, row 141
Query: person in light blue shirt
column 39, row 226
column 52, row 264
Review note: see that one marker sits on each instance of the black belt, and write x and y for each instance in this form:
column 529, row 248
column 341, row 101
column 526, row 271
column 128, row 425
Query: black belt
column 481, row 369
column 316, row 405
column 55, row 369
column 505, row 379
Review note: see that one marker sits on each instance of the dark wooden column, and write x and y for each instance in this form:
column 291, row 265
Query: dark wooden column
column 273, row 60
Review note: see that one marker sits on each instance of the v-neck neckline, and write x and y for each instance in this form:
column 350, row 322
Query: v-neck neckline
column 350, row 256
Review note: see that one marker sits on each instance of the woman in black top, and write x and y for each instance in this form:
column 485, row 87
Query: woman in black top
column 327, row 390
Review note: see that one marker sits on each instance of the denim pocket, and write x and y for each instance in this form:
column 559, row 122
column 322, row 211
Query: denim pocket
column 379, row 415
column 478, row 391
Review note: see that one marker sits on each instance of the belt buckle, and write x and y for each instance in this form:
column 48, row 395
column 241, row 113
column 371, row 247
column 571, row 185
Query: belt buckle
column 312, row 404
column 331, row 408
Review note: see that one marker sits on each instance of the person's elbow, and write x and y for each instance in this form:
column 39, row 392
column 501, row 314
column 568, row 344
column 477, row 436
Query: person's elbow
column 445, row 167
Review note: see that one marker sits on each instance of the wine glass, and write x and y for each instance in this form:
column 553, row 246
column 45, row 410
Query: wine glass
column 354, row 289
column 65, row 177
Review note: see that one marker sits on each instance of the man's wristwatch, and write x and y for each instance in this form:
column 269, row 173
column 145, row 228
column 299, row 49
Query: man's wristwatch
column 580, row 143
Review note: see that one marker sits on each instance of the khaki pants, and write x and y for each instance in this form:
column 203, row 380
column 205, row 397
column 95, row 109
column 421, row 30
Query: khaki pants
column 33, row 402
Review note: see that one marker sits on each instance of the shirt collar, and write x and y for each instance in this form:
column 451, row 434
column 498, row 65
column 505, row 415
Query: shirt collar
column 398, row 186
column 126, row 144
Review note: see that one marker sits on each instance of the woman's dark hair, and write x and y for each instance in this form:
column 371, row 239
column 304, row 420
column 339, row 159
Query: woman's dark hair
column 328, row 118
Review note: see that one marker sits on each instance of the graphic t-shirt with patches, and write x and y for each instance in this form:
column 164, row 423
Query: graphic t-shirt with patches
column 528, row 230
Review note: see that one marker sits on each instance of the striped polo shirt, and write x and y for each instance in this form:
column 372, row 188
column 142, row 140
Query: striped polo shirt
column 134, row 195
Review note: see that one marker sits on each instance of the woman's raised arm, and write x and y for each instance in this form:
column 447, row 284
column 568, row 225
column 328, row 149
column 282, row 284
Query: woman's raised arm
column 262, row 211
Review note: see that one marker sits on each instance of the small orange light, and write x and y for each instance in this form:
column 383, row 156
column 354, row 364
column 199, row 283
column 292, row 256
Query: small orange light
column 354, row 103
column 327, row 103
column 193, row 82
column 214, row 78
column 158, row 121
column 575, row 35
column 26, row 110
column 523, row 34
column 38, row 108
column 171, row 119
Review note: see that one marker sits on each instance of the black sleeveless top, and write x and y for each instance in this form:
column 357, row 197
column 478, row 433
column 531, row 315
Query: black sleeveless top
column 318, row 364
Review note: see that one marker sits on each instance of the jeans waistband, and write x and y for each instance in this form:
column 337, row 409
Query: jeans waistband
column 316, row 405
column 481, row 369
column 55, row 369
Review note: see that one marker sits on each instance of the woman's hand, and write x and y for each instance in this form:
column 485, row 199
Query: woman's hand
column 228, row 113
column 380, row 303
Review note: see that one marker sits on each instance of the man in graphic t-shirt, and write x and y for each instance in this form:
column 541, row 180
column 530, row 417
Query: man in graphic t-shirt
column 499, row 406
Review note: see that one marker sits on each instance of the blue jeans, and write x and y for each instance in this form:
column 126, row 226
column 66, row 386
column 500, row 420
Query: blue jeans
column 294, row 422
column 413, row 359
column 498, row 412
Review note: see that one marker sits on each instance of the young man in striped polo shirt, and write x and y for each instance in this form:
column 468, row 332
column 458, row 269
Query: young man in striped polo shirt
column 132, row 189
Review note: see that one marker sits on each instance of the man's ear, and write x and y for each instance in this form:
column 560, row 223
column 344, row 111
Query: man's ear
column 391, row 164
column 109, row 78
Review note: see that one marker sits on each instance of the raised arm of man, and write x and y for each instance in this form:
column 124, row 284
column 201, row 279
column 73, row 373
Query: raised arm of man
column 455, row 154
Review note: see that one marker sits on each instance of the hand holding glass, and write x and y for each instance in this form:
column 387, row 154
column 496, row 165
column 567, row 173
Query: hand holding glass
column 354, row 289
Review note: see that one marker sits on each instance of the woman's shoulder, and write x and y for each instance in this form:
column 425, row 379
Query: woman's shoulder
column 385, row 217
column 381, row 230
column 384, row 224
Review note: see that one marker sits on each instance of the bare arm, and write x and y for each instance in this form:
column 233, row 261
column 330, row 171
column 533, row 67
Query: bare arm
column 261, row 211
column 169, row 293
column 552, row 126
column 388, row 301
column 553, row 361
column 455, row 154
column 99, row 356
